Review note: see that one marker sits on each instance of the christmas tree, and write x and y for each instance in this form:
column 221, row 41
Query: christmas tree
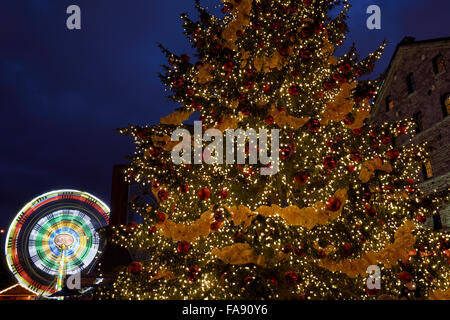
column 343, row 201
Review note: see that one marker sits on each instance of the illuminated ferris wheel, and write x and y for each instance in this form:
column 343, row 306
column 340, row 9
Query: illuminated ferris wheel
column 55, row 236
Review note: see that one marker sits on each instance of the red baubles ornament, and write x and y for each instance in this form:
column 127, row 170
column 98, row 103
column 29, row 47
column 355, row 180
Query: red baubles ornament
column 357, row 132
column 307, row 3
column 155, row 152
column 345, row 67
column 276, row 25
column 291, row 277
column 184, row 188
column 239, row 237
column 286, row 152
column 401, row 130
column 204, row 194
column 371, row 212
column 161, row 217
column 196, row 105
column 393, row 154
column 405, row 276
column 214, row 226
column 218, row 215
column 223, row 194
column 183, row 247
column 266, row 89
column 228, row 66
column 293, row 90
column 250, row 84
column 178, row 82
column 313, row 125
column 245, row 109
column 421, row 218
column 135, row 267
column 257, row 25
column 152, row 230
column 192, row 273
column 355, row 156
column 306, row 32
column 329, row 162
column 334, row 204
column 305, row 53
column 301, row 177
column 131, row 227
column 287, row 249
column 283, row 50
column 329, row 85
column 269, row 120
column 163, row 195
column 185, row 58
column 347, row 248
column 299, row 252
column 249, row 72
column 386, row 140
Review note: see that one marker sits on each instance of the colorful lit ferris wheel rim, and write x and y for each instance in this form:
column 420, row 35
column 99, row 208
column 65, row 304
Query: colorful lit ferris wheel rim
column 56, row 226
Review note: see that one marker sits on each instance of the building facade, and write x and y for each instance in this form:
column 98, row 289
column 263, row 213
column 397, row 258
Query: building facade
column 417, row 86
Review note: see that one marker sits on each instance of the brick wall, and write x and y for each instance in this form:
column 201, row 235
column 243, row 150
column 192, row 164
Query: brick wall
column 425, row 104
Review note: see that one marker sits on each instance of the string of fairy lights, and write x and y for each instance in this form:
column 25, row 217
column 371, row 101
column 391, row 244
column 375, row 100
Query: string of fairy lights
column 231, row 82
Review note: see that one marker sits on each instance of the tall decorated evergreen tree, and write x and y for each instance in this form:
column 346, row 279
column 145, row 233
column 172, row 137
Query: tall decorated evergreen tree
column 343, row 202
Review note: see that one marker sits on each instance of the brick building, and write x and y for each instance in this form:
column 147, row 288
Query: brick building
column 417, row 86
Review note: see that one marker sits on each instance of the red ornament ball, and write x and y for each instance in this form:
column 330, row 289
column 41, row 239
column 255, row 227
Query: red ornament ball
column 371, row 212
column 204, row 194
column 421, row 218
column 355, row 156
column 313, row 125
column 184, row 188
column 293, row 90
column 301, row 177
column 135, row 267
column 299, row 252
column 305, row 53
column 192, row 273
column 393, row 154
column 269, row 120
column 214, row 226
column 387, row 140
column 183, row 247
column 291, row 277
column 152, row 230
column 347, row 248
column 218, row 215
column 357, row 132
column 131, row 227
column 223, row 194
column 287, row 249
column 178, row 82
column 334, row 204
column 163, row 195
column 286, row 152
column 228, row 66
column 161, row 217
column 405, row 276
column 329, row 162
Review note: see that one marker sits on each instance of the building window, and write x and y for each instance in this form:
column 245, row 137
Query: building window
column 446, row 104
column 427, row 171
column 389, row 103
column 418, row 121
column 439, row 64
column 411, row 83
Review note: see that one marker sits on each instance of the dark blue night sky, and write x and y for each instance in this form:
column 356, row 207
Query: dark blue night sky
column 63, row 93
